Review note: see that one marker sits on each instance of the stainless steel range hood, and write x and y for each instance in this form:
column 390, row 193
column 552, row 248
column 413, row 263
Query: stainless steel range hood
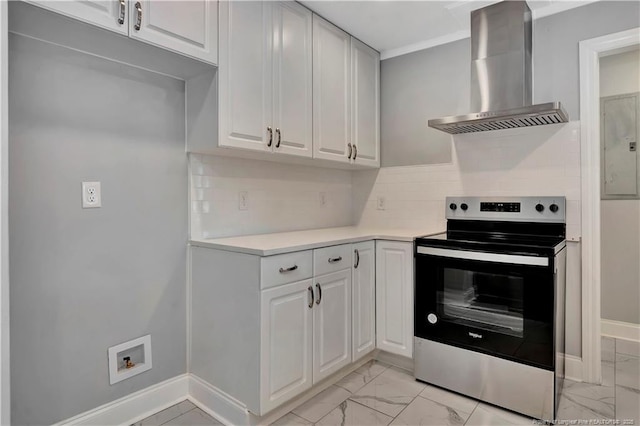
column 501, row 74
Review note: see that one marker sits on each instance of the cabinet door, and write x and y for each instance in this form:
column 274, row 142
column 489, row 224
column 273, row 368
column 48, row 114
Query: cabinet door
column 331, row 323
column 109, row 14
column 187, row 27
column 245, row 75
column 286, row 343
column 365, row 103
column 292, row 83
column 364, row 299
column 331, row 91
column 394, row 297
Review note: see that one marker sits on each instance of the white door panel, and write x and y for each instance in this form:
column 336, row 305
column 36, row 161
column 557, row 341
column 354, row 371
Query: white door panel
column 364, row 299
column 105, row 13
column 365, row 63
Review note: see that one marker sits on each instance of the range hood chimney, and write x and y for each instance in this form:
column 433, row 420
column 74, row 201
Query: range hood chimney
column 501, row 74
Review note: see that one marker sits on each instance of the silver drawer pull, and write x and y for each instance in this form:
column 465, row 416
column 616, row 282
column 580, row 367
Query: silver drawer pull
column 123, row 8
column 335, row 259
column 319, row 293
column 138, row 24
column 292, row 268
column 312, row 297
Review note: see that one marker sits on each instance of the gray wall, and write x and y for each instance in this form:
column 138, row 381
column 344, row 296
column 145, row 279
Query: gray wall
column 435, row 82
column 426, row 84
column 84, row 280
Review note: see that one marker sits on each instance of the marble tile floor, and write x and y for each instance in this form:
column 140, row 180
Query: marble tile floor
column 378, row 394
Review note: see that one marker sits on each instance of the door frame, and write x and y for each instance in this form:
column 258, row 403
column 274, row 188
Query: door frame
column 5, row 367
column 590, row 53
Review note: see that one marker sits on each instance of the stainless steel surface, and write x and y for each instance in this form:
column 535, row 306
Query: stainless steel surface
column 527, row 213
column 501, row 56
column 123, row 9
column 291, row 268
column 319, row 293
column 484, row 257
column 335, row 259
column 310, row 288
column 355, row 151
column 279, row 137
column 527, row 116
column 501, row 74
column 350, row 150
column 270, row 130
column 138, row 16
column 560, row 278
column 486, row 378
column 357, row 254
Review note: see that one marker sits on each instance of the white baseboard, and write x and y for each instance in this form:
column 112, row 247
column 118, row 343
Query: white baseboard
column 216, row 403
column 573, row 368
column 136, row 406
column 620, row 330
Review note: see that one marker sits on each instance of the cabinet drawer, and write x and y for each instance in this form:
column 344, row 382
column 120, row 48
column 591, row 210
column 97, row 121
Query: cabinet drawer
column 285, row 268
column 331, row 259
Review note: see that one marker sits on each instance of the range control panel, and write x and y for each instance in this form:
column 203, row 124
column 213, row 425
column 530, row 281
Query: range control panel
column 499, row 207
column 517, row 209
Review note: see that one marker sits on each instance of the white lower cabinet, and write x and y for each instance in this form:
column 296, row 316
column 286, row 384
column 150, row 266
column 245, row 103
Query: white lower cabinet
column 286, row 355
column 394, row 297
column 364, row 299
column 331, row 323
column 266, row 329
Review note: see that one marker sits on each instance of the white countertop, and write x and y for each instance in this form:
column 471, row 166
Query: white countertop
column 285, row 242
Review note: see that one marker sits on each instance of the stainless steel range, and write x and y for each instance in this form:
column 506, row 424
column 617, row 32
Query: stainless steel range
column 489, row 302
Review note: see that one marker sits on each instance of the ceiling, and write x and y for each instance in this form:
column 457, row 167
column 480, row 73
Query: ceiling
column 396, row 27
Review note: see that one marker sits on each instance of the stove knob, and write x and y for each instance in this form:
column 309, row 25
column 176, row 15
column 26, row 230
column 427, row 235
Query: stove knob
column 554, row 208
column 464, row 206
column 432, row 318
column 539, row 208
column 453, row 206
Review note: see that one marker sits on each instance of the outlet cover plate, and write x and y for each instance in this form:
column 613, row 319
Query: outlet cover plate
column 91, row 195
column 117, row 374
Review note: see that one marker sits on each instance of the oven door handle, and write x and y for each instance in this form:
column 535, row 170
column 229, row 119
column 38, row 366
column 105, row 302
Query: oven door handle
column 514, row 259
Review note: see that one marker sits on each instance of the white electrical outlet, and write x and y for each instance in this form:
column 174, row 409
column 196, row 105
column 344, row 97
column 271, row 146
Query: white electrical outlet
column 381, row 203
column 323, row 198
column 91, row 195
column 243, row 200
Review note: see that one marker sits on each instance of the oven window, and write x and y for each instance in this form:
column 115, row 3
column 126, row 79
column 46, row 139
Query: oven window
column 482, row 300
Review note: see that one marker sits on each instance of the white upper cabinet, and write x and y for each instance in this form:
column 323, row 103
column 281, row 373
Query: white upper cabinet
column 189, row 27
column 292, row 86
column 365, row 104
column 331, row 92
column 244, row 76
column 186, row 27
column 265, row 77
column 346, row 95
column 111, row 14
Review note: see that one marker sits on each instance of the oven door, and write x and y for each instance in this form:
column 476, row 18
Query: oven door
column 499, row 304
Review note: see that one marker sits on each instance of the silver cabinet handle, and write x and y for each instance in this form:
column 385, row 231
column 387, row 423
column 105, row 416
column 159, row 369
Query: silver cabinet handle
column 335, row 259
column 270, row 130
column 292, row 268
column 357, row 253
column 319, row 293
column 279, row 137
column 123, row 9
column 350, row 150
column 138, row 16
column 312, row 297
column 355, row 151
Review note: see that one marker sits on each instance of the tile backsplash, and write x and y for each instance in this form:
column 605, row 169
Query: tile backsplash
column 526, row 162
column 283, row 197
column 280, row 197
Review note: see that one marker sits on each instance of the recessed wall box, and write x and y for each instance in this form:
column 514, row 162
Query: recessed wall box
column 129, row 359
